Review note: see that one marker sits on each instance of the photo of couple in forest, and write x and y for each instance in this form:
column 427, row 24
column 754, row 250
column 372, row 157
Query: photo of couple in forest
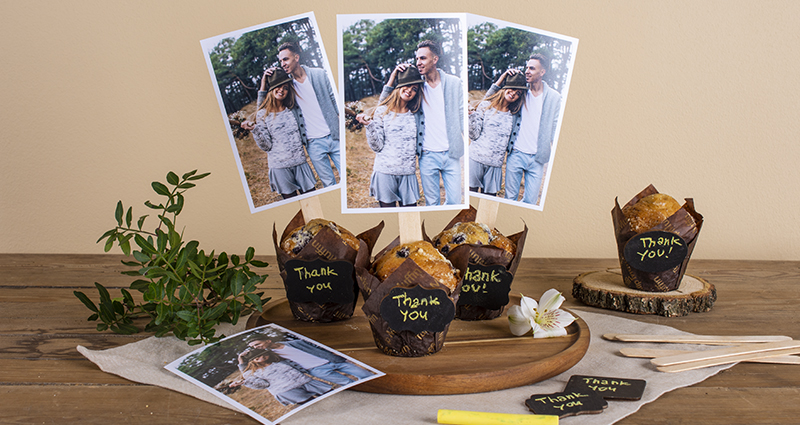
column 270, row 371
column 513, row 85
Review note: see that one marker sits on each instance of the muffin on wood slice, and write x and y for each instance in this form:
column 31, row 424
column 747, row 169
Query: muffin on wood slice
column 301, row 236
column 650, row 211
column 471, row 233
column 425, row 256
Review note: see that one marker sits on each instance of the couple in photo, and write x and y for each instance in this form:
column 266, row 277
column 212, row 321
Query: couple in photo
column 418, row 121
column 296, row 118
column 518, row 117
column 293, row 371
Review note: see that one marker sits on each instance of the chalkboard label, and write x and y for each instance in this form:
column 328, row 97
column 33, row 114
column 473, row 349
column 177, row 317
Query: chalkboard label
column 417, row 309
column 319, row 281
column 485, row 286
column 567, row 403
column 655, row 251
column 608, row 388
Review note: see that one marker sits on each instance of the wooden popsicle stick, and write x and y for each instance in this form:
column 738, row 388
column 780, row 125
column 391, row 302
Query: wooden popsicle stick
column 311, row 208
column 680, row 367
column 487, row 212
column 651, row 353
column 410, row 227
column 766, row 349
column 698, row 339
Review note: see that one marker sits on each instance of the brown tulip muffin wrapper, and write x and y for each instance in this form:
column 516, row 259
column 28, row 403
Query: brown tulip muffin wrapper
column 328, row 246
column 408, row 275
column 686, row 223
column 485, row 255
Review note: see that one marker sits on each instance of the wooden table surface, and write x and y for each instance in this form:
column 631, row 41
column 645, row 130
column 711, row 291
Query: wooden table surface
column 43, row 378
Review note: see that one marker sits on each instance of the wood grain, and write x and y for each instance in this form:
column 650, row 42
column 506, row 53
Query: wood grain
column 45, row 380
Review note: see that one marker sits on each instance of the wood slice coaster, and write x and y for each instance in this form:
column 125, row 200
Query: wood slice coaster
column 478, row 355
column 605, row 289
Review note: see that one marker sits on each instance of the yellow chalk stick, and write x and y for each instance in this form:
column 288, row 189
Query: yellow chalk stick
column 462, row 417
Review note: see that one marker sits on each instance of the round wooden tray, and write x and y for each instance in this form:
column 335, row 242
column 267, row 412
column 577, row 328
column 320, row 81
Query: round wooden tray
column 478, row 356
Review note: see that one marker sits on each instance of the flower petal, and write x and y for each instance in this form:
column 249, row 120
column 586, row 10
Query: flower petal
column 518, row 322
column 549, row 334
column 529, row 305
column 556, row 319
column 551, row 300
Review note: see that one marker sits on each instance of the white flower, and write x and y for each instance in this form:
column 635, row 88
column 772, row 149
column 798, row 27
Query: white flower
column 544, row 318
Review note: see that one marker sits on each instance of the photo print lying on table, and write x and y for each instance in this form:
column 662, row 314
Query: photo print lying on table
column 278, row 101
column 518, row 82
column 403, row 81
column 270, row 372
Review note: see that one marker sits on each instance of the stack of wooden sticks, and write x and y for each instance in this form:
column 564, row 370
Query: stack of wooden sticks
column 759, row 349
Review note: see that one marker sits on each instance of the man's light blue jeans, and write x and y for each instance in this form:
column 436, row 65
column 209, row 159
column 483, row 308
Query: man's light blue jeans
column 519, row 165
column 320, row 150
column 333, row 372
column 431, row 166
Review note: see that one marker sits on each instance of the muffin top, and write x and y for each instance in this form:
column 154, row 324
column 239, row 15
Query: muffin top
column 425, row 256
column 650, row 211
column 301, row 236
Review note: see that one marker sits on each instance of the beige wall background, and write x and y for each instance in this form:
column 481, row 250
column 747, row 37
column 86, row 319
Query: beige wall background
column 698, row 97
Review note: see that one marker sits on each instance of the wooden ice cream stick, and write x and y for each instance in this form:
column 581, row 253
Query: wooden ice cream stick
column 731, row 354
column 650, row 353
column 698, row 339
column 410, row 227
column 311, row 208
column 487, row 212
column 680, row 367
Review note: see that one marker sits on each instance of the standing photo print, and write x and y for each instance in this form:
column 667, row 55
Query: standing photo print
column 278, row 100
column 518, row 82
column 403, row 81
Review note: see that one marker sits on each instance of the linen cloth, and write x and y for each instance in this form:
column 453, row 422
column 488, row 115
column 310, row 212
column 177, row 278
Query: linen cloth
column 144, row 362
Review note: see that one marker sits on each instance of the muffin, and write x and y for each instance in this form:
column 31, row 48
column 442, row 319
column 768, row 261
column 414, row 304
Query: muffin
column 425, row 256
column 321, row 244
column 300, row 236
column 649, row 211
column 471, row 233
column 657, row 213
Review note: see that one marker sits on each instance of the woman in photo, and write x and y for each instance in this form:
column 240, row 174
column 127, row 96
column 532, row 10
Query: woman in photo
column 392, row 133
column 276, row 132
column 489, row 130
column 267, row 370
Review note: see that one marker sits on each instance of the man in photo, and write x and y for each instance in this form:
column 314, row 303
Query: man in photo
column 317, row 361
column 533, row 131
column 442, row 144
column 319, row 120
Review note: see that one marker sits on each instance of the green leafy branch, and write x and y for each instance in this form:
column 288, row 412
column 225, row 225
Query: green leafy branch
column 184, row 290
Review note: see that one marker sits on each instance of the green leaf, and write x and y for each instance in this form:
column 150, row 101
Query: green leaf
column 150, row 205
column 118, row 213
column 128, row 299
column 105, row 297
column 146, row 246
column 198, row 177
column 186, row 315
column 215, row 312
column 107, row 234
column 140, row 285
column 189, row 174
column 257, row 263
column 129, row 217
column 101, row 327
column 127, row 329
column 160, row 188
column 85, row 300
column 109, row 244
column 186, row 185
column 141, row 256
column 141, row 221
column 235, row 260
column 251, row 252
column 172, row 178
column 194, row 342
column 125, row 245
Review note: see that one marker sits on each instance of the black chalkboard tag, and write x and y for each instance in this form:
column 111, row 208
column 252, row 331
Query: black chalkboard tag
column 485, row 286
column 608, row 388
column 417, row 309
column 319, row 281
column 656, row 251
column 566, row 403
